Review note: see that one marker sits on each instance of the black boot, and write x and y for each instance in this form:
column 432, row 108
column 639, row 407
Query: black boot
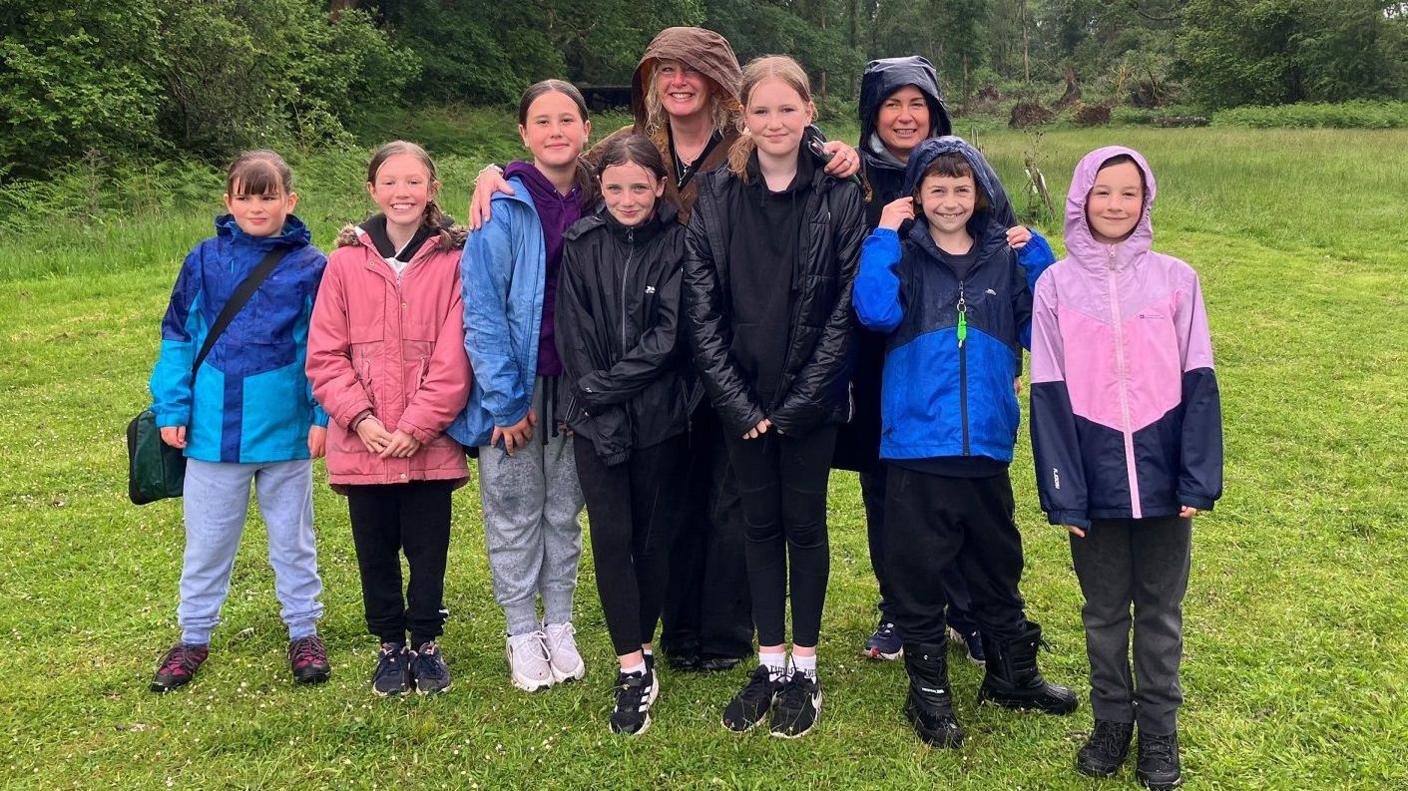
column 1158, row 762
column 930, row 704
column 1013, row 680
column 1106, row 748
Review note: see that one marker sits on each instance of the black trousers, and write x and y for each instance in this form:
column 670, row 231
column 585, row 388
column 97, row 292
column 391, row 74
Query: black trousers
column 631, row 508
column 413, row 518
column 960, row 601
column 1141, row 563
column 782, row 481
column 707, row 611
column 934, row 521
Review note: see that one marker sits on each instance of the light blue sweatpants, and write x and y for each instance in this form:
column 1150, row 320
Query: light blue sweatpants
column 216, row 500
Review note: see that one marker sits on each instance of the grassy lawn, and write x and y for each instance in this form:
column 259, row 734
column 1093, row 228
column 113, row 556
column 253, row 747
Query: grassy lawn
column 1296, row 646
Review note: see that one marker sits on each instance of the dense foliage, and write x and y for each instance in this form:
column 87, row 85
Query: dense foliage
column 170, row 77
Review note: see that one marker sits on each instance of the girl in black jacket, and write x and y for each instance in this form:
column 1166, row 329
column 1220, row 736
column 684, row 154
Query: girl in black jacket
column 773, row 246
column 629, row 383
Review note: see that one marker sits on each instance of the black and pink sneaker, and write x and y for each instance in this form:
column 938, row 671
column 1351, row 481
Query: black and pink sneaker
column 179, row 666
column 308, row 658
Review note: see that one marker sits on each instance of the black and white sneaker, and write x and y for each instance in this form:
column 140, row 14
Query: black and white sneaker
column 428, row 669
column 393, row 670
column 752, row 703
column 635, row 693
column 798, row 706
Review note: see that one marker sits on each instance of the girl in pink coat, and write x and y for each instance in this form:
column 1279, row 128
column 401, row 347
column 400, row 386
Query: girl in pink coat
column 386, row 359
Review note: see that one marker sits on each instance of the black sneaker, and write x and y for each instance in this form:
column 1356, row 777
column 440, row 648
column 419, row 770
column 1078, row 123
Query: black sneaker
column 751, row 703
column 393, row 670
column 635, row 692
column 428, row 669
column 718, row 664
column 178, row 666
column 308, row 659
column 884, row 642
column 970, row 644
column 1104, row 752
column 798, row 706
column 1158, row 767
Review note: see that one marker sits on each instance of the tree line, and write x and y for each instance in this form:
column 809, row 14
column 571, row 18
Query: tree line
column 171, row 77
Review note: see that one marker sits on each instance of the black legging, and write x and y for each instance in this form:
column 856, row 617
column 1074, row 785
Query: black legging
column 782, row 481
column 631, row 508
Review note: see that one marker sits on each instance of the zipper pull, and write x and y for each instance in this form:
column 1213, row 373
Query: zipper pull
column 962, row 317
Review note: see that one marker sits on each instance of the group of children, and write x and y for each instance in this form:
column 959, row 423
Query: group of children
column 566, row 344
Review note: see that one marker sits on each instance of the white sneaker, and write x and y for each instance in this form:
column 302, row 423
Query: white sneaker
column 528, row 665
column 563, row 658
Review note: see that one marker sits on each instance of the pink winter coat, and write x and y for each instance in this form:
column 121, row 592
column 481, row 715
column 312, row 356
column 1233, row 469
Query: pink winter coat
column 396, row 348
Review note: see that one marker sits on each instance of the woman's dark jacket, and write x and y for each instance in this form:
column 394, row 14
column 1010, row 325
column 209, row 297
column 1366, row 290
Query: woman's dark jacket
column 814, row 387
column 628, row 376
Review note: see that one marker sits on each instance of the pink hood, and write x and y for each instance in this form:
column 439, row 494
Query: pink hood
column 1080, row 243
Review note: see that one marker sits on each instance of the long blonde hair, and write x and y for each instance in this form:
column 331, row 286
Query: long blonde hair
column 757, row 71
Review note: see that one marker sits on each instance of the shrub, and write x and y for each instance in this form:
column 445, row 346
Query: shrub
column 1346, row 115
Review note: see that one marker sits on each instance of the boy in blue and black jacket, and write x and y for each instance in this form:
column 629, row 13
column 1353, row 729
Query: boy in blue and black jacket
column 954, row 300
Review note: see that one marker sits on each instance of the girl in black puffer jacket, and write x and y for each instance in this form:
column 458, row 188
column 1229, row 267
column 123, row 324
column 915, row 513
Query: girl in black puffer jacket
column 629, row 398
column 773, row 246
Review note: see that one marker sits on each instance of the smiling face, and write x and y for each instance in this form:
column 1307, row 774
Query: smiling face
column 402, row 187
column 630, row 192
column 948, row 201
column 554, row 130
column 903, row 121
column 682, row 91
column 1116, row 202
column 776, row 117
column 260, row 214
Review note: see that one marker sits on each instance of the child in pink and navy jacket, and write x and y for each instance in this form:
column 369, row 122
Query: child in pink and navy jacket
column 386, row 359
column 1127, row 434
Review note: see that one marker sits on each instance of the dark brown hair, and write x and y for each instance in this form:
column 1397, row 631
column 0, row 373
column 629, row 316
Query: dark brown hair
column 434, row 217
column 952, row 165
column 632, row 149
column 584, row 177
column 259, row 172
column 1120, row 159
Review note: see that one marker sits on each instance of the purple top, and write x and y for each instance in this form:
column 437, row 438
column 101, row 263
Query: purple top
column 556, row 212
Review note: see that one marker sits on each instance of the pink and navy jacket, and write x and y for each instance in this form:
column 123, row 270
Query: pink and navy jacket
column 394, row 345
column 1126, row 418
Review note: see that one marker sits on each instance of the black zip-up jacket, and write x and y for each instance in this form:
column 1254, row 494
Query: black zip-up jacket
column 813, row 389
column 627, row 373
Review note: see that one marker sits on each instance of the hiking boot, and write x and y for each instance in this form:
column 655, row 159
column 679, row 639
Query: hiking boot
column 528, row 665
column 1158, row 766
column 970, row 644
column 635, row 693
column 797, row 707
column 752, row 702
column 178, row 666
column 929, row 705
column 428, row 669
column 884, row 642
column 1013, row 680
column 393, row 670
column 564, row 660
column 1104, row 752
column 308, row 658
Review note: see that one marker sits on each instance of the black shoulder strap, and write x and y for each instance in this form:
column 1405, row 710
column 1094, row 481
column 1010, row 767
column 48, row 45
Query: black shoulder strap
column 237, row 301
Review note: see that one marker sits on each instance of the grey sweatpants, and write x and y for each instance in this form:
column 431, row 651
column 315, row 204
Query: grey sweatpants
column 531, row 503
column 1143, row 562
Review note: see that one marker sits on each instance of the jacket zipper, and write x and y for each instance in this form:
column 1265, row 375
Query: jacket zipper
column 625, row 280
column 963, row 366
column 1121, row 382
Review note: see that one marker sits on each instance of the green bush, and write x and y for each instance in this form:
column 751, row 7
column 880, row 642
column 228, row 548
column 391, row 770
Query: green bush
column 1346, row 115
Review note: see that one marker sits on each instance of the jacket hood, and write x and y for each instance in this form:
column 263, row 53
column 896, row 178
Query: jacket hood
column 293, row 234
column 999, row 207
column 887, row 75
column 372, row 232
column 1080, row 241
column 703, row 50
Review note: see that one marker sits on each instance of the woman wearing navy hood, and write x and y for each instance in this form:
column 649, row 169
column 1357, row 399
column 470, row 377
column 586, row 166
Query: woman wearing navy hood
column 900, row 107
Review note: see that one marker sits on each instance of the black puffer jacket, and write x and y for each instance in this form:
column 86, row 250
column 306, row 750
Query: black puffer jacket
column 628, row 380
column 814, row 386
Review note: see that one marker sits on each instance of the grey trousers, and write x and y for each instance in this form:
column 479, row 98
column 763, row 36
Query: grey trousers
column 1144, row 563
column 531, row 503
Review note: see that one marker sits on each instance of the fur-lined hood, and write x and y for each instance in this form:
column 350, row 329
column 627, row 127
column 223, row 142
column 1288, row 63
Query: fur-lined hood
column 452, row 236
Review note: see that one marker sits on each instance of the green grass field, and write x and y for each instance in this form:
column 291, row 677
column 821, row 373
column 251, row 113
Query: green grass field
column 1296, row 645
